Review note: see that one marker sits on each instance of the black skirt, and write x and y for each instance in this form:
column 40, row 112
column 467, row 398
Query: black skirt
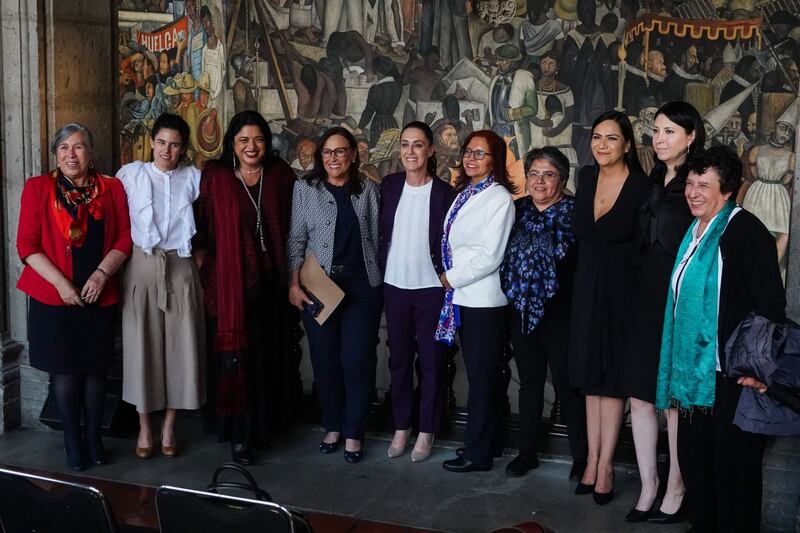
column 68, row 339
column 643, row 347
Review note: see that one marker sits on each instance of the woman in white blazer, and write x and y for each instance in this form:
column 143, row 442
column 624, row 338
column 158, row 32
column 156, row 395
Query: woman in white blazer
column 476, row 230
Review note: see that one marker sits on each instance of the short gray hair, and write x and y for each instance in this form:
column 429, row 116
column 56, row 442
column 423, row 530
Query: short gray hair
column 552, row 155
column 67, row 130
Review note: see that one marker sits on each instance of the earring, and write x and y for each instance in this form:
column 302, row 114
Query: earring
column 234, row 161
column 687, row 148
column 91, row 165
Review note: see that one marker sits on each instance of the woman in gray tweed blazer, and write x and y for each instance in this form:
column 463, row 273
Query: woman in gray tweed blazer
column 335, row 218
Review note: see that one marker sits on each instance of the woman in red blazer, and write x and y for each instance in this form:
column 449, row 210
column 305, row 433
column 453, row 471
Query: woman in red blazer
column 74, row 233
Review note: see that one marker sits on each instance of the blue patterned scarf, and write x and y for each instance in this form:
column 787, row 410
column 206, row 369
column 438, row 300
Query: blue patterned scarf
column 449, row 318
column 538, row 241
column 688, row 364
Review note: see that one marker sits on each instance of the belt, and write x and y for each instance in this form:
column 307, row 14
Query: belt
column 163, row 286
column 341, row 269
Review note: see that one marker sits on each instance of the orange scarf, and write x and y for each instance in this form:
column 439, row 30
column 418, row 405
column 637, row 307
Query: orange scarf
column 64, row 196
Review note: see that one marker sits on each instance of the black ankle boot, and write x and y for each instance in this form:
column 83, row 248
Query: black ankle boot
column 97, row 453
column 242, row 454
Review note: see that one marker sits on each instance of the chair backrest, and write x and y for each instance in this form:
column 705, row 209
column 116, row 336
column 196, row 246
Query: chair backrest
column 180, row 510
column 35, row 503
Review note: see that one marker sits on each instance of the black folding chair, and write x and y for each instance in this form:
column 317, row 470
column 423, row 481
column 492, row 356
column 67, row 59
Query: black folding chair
column 31, row 503
column 181, row 510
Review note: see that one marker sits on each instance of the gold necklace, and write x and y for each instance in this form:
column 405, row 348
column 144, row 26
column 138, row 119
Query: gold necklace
column 259, row 169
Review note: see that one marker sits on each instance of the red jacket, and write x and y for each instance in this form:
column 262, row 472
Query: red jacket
column 38, row 233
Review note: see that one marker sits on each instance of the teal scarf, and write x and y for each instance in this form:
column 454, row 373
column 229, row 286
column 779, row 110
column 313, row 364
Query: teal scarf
column 687, row 369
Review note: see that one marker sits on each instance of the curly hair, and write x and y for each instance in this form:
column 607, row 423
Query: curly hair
column 724, row 162
column 170, row 121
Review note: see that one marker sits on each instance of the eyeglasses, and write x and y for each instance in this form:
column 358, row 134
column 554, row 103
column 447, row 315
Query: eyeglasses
column 547, row 175
column 338, row 152
column 477, row 154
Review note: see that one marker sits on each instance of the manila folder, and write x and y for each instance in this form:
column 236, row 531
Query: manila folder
column 317, row 282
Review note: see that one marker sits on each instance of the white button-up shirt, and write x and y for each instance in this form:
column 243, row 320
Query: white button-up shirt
column 160, row 206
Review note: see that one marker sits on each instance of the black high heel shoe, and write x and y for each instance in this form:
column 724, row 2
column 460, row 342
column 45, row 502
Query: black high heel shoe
column 583, row 488
column 602, row 498
column 659, row 517
column 635, row 515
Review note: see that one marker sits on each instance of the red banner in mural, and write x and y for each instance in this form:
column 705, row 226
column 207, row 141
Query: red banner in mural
column 728, row 30
column 165, row 37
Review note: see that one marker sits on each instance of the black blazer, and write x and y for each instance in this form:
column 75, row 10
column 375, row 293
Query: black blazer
column 442, row 195
column 751, row 279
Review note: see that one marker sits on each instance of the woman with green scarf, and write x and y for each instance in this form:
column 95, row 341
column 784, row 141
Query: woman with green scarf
column 727, row 267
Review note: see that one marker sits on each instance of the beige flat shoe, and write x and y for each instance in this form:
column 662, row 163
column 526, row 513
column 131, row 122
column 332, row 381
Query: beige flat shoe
column 422, row 448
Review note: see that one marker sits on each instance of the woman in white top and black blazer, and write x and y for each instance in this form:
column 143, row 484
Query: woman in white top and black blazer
column 413, row 206
column 476, row 231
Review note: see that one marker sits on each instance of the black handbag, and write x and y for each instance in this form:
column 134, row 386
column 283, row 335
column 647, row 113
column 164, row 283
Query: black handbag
column 249, row 510
column 250, row 486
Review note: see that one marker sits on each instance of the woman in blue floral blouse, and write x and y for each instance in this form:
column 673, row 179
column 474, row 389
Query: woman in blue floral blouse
column 536, row 277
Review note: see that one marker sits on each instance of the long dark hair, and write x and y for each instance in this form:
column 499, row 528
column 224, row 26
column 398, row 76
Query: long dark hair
column 426, row 130
column 687, row 117
column 318, row 175
column 498, row 148
column 239, row 121
column 631, row 158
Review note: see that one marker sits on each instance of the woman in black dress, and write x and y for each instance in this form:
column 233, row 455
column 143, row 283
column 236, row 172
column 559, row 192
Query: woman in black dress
column 678, row 134
column 74, row 233
column 610, row 194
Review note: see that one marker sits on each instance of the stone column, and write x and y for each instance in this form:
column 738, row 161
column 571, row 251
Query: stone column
column 81, row 72
column 21, row 157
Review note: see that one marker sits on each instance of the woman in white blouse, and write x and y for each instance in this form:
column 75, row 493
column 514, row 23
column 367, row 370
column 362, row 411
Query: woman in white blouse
column 476, row 231
column 413, row 207
column 163, row 329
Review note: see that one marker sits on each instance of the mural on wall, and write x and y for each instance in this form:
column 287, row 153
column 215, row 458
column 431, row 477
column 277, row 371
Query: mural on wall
column 536, row 72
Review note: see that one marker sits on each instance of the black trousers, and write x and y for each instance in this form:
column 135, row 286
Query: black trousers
column 411, row 318
column 482, row 335
column 721, row 466
column 547, row 343
column 342, row 353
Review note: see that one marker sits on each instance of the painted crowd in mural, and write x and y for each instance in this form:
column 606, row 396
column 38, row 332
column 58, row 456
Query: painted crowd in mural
column 536, row 72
